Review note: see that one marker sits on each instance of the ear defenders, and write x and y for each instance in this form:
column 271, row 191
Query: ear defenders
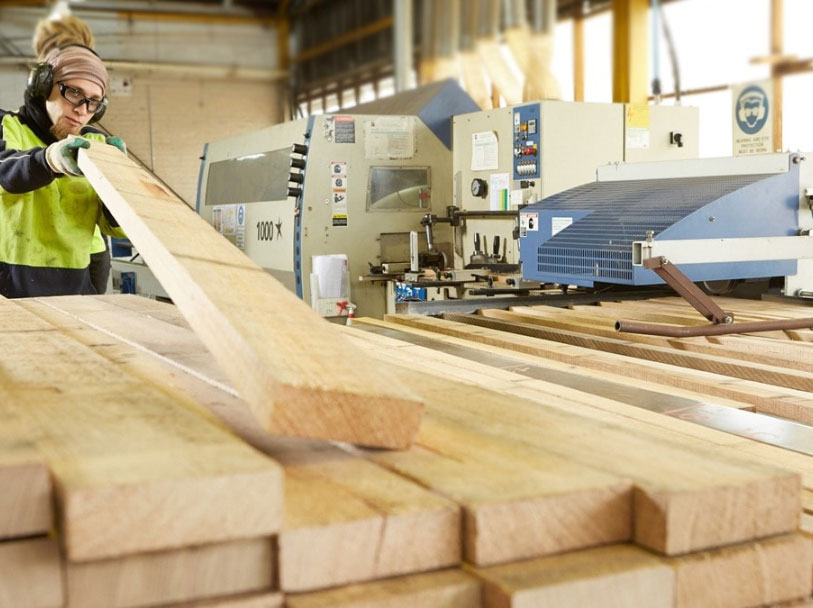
column 41, row 82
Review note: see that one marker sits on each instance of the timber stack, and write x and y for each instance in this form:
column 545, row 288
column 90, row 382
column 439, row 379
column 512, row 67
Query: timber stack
column 135, row 476
column 160, row 456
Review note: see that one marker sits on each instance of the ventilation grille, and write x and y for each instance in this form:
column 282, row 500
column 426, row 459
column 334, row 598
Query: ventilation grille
column 599, row 246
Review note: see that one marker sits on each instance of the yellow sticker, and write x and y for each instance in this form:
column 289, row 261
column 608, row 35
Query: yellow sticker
column 638, row 115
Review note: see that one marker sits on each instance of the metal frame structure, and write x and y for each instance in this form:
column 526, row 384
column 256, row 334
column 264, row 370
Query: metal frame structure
column 721, row 322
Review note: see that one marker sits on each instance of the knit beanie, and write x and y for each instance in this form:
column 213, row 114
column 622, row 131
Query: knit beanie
column 78, row 62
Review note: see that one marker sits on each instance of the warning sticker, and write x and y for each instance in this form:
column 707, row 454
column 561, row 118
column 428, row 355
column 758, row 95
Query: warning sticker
column 528, row 222
column 345, row 129
column 637, row 132
column 338, row 192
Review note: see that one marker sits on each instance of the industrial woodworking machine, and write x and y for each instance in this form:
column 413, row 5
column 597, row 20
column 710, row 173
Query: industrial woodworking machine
column 507, row 158
column 418, row 195
column 718, row 219
column 318, row 201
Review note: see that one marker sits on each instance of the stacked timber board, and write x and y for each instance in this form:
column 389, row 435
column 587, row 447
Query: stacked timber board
column 518, row 492
column 138, row 482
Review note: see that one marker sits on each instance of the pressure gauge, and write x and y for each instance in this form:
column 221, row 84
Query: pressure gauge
column 479, row 187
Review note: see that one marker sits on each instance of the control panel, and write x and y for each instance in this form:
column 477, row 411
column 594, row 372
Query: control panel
column 526, row 141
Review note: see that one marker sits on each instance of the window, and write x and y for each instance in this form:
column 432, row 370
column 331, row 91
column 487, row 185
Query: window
column 398, row 189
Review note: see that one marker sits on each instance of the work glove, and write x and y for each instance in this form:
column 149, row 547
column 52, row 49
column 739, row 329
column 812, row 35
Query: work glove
column 117, row 141
column 61, row 155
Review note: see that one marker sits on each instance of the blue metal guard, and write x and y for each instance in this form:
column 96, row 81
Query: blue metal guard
column 609, row 216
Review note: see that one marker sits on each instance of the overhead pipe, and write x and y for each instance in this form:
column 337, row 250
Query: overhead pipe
column 402, row 44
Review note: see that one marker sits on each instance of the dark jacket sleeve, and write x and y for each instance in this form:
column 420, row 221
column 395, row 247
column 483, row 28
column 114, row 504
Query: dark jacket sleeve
column 23, row 170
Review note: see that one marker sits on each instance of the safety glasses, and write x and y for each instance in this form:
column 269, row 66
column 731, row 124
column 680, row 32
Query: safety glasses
column 76, row 98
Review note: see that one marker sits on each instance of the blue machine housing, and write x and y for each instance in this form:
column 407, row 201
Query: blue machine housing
column 608, row 216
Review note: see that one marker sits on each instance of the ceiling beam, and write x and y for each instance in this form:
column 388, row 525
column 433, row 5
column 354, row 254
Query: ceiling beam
column 352, row 36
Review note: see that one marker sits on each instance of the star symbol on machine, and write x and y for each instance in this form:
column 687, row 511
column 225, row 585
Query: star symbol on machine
column 278, row 226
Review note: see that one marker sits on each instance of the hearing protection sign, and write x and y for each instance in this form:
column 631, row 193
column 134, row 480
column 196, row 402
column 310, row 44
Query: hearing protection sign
column 338, row 192
column 752, row 131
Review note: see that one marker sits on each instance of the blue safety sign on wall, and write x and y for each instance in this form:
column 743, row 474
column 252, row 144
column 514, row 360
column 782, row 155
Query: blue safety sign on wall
column 752, row 125
column 752, row 109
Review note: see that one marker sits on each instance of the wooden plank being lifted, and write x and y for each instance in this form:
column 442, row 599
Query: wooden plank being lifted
column 298, row 374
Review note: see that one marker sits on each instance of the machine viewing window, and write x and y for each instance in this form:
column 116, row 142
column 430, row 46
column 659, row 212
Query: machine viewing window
column 398, row 189
column 250, row 178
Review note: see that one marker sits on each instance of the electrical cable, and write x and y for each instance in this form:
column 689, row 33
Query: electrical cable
column 670, row 43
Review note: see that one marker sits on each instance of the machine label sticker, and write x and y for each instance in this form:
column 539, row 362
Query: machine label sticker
column 557, row 224
column 484, row 151
column 338, row 189
column 389, row 137
column 498, row 184
column 528, row 222
column 516, row 198
column 637, row 123
column 230, row 221
column 240, row 229
column 345, row 129
column 752, row 130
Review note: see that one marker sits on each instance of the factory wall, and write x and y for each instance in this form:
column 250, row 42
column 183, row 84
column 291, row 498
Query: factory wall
column 174, row 86
column 167, row 122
